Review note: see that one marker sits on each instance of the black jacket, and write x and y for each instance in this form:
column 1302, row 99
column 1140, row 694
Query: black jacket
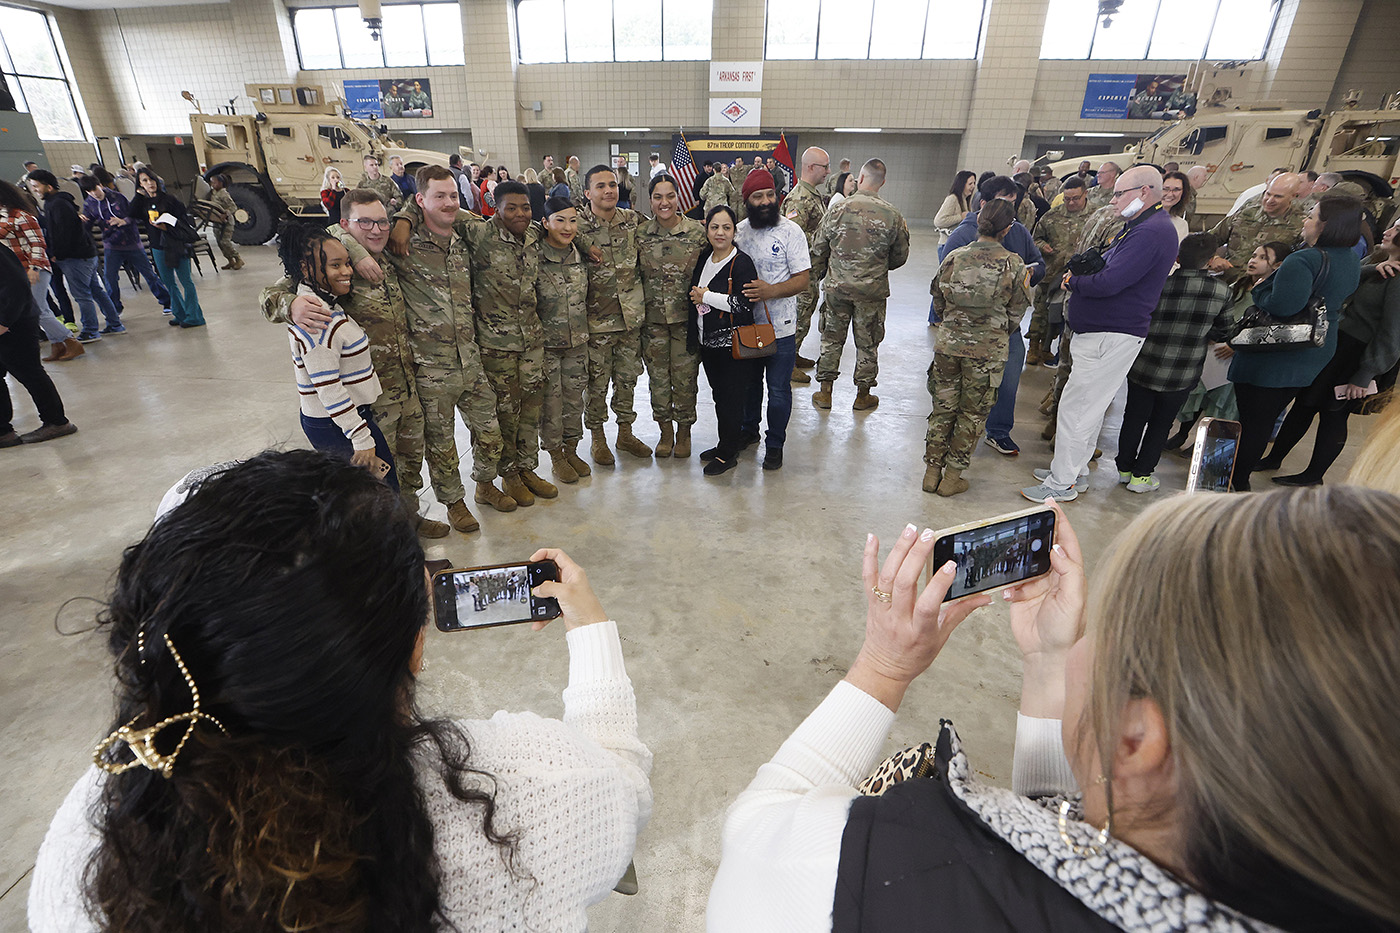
column 68, row 236
column 16, row 298
column 741, row 273
column 141, row 207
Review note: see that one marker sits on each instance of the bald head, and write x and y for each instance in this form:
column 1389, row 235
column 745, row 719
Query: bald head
column 1197, row 175
column 816, row 165
column 1022, row 165
column 1279, row 195
column 1139, row 182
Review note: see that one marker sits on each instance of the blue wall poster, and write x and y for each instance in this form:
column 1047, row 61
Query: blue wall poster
column 362, row 99
column 1137, row 97
column 1105, row 97
column 406, row 98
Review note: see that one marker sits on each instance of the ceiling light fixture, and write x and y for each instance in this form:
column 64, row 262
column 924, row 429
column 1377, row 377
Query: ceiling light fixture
column 629, row 129
column 1099, row 135
column 857, row 129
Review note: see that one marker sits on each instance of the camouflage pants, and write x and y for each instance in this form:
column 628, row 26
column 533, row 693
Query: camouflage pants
column 964, row 390
column 226, row 241
column 673, row 372
column 444, row 392
column 1061, row 374
column 806, row 304
column 866, row 321
column 399, row 414
column 561, row 414
column 1039, row 333
column 518, row 381
column 615, row 358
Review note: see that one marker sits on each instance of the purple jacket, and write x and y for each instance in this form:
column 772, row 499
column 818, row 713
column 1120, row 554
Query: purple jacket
column 1121, row 297
column 100, row 214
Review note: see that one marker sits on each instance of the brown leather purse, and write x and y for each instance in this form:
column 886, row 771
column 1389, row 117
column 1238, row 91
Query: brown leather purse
column 755, row 341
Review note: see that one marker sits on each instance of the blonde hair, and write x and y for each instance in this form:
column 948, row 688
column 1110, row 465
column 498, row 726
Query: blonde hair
column 1267, row 629
column 326, row 178
column 1378, row 464
column 530, row 178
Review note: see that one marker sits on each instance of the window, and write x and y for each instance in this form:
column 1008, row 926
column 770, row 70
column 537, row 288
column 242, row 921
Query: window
column 1174, row 30
column 34, row 73
column 873, row 29
column 613, row 30
column 413, row 35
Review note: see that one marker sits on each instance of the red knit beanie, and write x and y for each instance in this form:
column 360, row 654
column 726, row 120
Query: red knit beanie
column 757, row 180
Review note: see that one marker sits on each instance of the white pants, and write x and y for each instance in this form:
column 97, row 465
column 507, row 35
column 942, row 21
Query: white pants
column 1101, row 363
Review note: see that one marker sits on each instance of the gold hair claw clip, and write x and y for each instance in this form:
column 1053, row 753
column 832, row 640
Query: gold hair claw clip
column 142, row 742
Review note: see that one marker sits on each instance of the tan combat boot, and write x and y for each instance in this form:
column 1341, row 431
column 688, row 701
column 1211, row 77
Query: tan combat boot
column 864, row 400
column 822, row 397
column 1035, row 356
column 629, row 442
column 579, row 464
column 72, row 349
column 540, row 487
column 799, row 377
column 563, row 471
column 932, row 474
column 516, row 489
column 56, row 352
column 461, row 517
column 1047, row 433
column 682, row 448
column 668, row 439
column 427, row 528
column 952, row 483
column 488, row 494
column 600, row 453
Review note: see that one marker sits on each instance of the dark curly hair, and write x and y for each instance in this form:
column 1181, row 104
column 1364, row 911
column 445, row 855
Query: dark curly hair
column 299, row 247
column 292, row 585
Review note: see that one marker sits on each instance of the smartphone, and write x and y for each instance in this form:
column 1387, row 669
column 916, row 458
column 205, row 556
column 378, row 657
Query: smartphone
column 482, row 597
column 1213, row 456
column 996, row 552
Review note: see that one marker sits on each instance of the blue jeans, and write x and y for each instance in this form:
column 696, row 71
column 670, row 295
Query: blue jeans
column 184, row 306
column 82, row 280
column 325, row 435
column 53, row 327
column 1003, row 414
column 777, row 371
column 112, row 261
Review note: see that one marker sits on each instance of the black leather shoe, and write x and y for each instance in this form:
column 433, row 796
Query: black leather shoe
column 747, row 440
column 1297, row 479
column 773, row 459
column 717, row 466
column 1267, row 464
column 707, row 455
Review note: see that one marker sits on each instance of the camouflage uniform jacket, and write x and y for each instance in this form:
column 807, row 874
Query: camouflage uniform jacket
column 667, row 258
column 857, row 244
column 716, row 190
column 738, row 173
column 615, row 299
column 436, row 280
column 1099, row 196
column 561, row 296
column 1056, row 236
column 575, row 180
column 1099, row 229
column 384, row 187
column 1250, row 227
column 804, row 206
column 504, row 270
column 223, row 202
column 1025, row 212
column 981, row 291
column 378, row 309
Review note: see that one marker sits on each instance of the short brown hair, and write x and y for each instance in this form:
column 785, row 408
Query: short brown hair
column 432, row 173
column 360, row 196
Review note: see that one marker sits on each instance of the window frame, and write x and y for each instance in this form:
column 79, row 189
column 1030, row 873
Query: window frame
column 870, row 38
column 661, row 10
column 13, row 75
column 340, row 48
column 1275, row 7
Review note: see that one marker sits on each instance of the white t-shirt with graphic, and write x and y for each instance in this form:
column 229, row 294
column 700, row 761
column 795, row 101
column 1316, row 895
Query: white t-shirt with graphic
column 778, row 253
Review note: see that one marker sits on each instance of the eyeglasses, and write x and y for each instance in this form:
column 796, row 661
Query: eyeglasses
column 366, row 223
column 1120, row 192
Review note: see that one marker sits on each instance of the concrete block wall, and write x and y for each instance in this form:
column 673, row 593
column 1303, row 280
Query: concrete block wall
column 1370, row 64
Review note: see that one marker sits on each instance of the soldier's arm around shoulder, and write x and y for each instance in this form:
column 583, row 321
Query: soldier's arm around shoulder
column 276, row 301
column 352, row 246
column 899, row 249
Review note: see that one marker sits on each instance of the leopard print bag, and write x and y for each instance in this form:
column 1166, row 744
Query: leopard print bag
column 912, row 763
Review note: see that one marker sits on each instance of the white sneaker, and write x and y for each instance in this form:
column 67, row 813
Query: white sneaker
column 1081, row 483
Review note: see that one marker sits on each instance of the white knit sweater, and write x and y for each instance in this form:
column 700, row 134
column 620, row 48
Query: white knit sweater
column 576, row 791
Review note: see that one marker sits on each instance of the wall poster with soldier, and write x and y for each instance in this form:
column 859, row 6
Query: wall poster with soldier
column 407, row 98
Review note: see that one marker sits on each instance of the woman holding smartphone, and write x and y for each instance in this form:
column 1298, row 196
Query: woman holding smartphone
column 718, row 305
column 171, row 254
column 277, row 618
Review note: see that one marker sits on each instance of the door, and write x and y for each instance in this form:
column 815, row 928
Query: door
column 177, row 165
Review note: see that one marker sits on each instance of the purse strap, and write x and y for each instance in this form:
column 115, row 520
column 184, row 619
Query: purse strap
column 729, row 285
column 1321, row 277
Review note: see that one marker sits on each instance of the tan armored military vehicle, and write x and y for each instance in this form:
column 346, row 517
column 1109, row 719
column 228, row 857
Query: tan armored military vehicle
column 1240, row 147
column 276, row 158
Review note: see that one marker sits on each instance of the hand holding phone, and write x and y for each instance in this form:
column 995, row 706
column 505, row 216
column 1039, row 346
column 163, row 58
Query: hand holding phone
column 578, row 606
column 499, row 594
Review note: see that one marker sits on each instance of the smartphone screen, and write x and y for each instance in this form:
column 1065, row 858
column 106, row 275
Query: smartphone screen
column 997, row 553
column 480, row 597
column 1213, row 459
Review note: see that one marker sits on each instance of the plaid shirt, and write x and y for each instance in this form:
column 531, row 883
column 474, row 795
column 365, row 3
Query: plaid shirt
column 20, row 231
column 1192, row 312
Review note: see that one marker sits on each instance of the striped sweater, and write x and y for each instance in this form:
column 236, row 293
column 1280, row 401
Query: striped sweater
column 335, row 374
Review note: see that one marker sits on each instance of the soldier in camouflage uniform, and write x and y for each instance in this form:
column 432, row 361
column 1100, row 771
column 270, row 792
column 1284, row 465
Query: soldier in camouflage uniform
column 717, row 190
column 737, row 176
column 378, row 308
column 1102, row 193
column 380, row 184
column 575, row 179
column 668, row 246
column 1056, row 235
column 616, row 310
column 981, row 292
column 1275, row 217
column 804, row 206
column 561, row 298
column 224, row 218
column 437, row 286
column 857, row 244
column 829, row 188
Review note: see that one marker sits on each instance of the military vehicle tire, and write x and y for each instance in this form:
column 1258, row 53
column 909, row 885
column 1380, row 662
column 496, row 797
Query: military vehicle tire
column 256, row 220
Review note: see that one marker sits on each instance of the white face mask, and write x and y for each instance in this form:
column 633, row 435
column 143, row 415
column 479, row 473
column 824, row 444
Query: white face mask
column 1133, row 208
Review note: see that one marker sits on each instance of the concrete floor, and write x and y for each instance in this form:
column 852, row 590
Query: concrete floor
column 739, row 598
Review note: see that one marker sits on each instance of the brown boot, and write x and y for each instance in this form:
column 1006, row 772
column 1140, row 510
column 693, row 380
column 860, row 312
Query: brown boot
column 932, row 474
column 600, row 453
column 1048, row 432
column 1047, row 404
column 801, row 362
column 682, row 448
column 238, row 263
column 514, row 488
column 864, row 400
column 668, row 439
column 56, row 352
column 822, row 397
column 561, row 468
column 579, row 464
column 799, row 377
column 71, row 350
column 488, row 494
column 427, row 528
column 461, row 517
column 1035, row 356
column 228, row 266
column 952, row 483
column 540, row 487
column 630, row 443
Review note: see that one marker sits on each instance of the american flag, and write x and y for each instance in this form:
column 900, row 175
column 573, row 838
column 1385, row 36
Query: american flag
column 683, row 170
